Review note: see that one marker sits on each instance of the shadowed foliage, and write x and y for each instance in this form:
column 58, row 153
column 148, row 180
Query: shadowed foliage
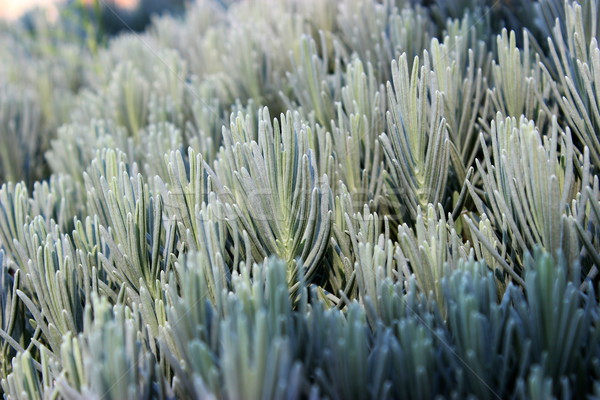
column 354, row 199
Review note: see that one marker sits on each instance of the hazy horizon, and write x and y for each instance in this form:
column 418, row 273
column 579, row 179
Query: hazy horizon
column 12, row 9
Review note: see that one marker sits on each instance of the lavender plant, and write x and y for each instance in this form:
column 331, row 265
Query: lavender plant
column 303, row 199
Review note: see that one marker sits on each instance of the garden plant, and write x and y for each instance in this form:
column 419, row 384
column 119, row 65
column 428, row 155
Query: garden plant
column 302, row 199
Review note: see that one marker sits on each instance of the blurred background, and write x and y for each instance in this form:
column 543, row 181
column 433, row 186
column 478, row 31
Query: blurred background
column 51, row 52
column 13, row 9
column 115, row 15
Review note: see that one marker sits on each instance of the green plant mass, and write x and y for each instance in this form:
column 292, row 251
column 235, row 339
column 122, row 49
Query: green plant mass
column 301, row 199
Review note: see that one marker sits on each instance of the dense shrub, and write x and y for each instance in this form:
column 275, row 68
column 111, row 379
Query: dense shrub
column 303, row 199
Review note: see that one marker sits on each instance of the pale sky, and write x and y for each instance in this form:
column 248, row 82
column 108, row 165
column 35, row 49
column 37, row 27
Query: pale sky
column 14, row 8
